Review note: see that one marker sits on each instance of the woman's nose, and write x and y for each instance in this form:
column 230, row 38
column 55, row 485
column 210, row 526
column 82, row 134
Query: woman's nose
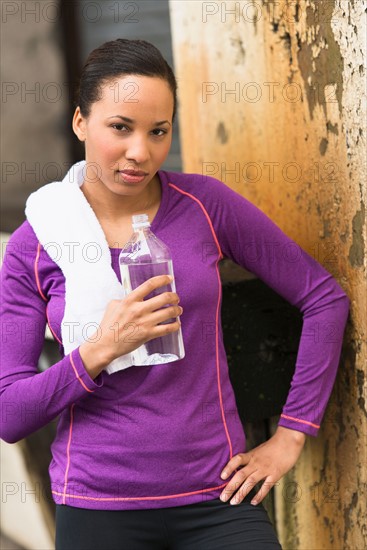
column 137, row 150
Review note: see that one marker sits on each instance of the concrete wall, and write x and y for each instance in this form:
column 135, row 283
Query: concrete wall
column 273, row 103
column 34, row 100
column 34, row 151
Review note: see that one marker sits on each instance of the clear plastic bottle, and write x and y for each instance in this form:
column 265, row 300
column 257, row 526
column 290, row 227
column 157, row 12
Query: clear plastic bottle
column 145, row 256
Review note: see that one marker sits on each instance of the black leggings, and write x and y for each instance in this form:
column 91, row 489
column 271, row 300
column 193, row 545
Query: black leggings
column 207, row 525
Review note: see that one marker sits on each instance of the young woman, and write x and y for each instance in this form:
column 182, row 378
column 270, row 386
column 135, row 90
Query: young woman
column 152, row 457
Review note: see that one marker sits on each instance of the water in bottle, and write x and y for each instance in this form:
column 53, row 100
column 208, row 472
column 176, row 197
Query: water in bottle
column 143, row 257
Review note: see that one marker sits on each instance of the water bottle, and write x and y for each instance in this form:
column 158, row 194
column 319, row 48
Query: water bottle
column 145, row 256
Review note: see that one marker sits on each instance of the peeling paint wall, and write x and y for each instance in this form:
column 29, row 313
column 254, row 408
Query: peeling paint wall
column 273, row 103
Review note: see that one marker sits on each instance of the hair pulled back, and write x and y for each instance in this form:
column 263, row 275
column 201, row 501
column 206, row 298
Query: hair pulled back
column 117, row 58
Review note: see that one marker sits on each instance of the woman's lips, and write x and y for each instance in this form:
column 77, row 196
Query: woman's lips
column 132, row 176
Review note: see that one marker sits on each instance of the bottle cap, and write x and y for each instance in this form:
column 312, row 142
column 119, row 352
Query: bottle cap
column 140, row 220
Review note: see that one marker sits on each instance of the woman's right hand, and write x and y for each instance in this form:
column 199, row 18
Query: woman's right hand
column 130, row 322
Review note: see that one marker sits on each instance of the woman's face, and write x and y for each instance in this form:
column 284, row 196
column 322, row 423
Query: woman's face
column 128, row 132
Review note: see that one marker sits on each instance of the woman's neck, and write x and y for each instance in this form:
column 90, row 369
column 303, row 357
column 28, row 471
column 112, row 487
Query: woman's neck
column 114, row 208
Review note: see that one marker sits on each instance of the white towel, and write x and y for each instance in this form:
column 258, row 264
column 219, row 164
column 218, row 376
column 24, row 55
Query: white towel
column 66, row 226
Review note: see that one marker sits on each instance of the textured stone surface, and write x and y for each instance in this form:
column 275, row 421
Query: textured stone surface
column 273, row 103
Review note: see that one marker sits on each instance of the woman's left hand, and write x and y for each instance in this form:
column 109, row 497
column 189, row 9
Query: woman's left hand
column 269, row 462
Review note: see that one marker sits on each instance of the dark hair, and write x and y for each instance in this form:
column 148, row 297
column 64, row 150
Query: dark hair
column 121, row 57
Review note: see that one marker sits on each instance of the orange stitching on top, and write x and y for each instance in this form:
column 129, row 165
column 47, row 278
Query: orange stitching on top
column 51, row 329
column 68, row 453
column 299, row 420
column 217, row 361
column 205, row 213
column 106, row 499
column 36, row 272
column 217, row 313
column 77, row 374
column 40, row 290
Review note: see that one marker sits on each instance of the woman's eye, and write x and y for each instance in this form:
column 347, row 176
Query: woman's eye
column 123, row 128
column 119, row 127
column 157, row 130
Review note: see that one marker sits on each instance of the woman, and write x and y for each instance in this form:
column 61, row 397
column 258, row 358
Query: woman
column 153, row 457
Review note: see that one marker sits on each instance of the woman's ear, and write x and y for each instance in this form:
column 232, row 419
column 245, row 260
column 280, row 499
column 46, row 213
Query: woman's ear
column 79, row 125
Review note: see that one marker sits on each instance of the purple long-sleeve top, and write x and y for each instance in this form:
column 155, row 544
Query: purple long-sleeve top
column 159, row 436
